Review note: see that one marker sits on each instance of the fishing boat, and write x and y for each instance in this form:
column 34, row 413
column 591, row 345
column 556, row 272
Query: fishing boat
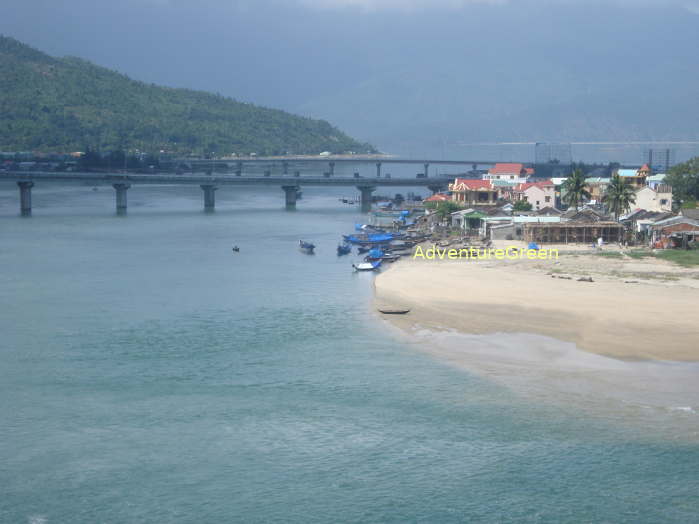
column 367, row 266
column 363, row 249
column 394, row 311
column 343, row 249
column 306, row 247
column 373, row 255
column 235, row 248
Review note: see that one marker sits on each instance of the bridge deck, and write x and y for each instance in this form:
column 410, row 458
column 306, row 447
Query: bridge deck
column 220, row 180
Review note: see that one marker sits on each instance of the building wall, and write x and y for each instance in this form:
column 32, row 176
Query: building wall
column 540, row 198
column 650, row 200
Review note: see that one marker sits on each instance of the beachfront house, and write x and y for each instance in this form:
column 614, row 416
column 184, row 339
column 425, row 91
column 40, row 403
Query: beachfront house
column 469, row 220
column 538, row 194
column 572, row 232
column 658, row 199
column 472, row 192
column 676, row 231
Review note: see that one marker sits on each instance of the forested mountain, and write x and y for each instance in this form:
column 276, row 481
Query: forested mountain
column 62, row 104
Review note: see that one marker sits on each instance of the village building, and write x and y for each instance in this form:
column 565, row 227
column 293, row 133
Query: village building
column 438, row 197
column 640, row 221
column 538, row 194
column 654, row 181
column 676, row 231
column 509, row 171
column 471, row 192
column 597, row 186
column 469, row 220
column 573, row 232
column 635, row 177
column 512, row 228
column 658, row 199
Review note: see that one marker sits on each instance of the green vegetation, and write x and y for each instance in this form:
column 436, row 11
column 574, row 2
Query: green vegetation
column 575, row 189
column 522, row 205
column 619, row 196
column 68, row 104
column 444, row 209
column 683, row 257
column 684, row 179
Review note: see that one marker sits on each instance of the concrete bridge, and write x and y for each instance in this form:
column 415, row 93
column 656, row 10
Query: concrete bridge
column 237, row 164
column 209, row 183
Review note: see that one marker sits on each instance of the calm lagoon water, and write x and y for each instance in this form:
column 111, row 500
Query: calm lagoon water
column 149, row 374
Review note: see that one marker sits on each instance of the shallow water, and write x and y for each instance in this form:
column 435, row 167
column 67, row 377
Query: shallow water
column 147, row 373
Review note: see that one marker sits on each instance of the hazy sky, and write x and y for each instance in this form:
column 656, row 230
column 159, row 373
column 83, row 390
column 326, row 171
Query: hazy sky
column 378, row 68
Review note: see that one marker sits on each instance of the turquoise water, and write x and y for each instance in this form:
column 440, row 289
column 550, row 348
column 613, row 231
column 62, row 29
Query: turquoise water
column 149, row 374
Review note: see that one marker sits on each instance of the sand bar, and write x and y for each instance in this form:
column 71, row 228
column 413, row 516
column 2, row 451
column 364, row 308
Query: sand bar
column 632, row 309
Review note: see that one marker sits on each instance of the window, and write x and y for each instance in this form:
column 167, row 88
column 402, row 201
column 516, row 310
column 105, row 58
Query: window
column 663, row 201
column 547, row 199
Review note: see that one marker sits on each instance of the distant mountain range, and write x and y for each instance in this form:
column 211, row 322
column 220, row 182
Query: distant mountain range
column 68, row 104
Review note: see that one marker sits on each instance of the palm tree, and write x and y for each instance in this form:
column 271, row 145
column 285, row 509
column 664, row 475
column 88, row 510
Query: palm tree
column 619, row 196
column 575, row 189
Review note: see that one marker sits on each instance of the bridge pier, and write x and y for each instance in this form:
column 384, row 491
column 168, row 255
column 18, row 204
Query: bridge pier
column 25, row 198
column 239, row 169
column 435, row 188
column 378, row 169
column 427, row 170
column 366, row 192
column 285, row 168
column 121, row 197
column 209, row 197
column 332, row 168
column 290, row 193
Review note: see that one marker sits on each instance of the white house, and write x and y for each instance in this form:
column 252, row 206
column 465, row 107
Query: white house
column 658, row 199
column 538, row 194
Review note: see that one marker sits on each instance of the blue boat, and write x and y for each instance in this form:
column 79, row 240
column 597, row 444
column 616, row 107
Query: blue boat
column 343, row 249
column 306, row 247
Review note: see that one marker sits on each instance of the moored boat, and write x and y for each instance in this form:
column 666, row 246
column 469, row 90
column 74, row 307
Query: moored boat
column 306, row 247
column 344, row 249
column 367, row 266
column 390, row 311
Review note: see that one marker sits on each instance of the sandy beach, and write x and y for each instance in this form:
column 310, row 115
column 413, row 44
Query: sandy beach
column 634, row 309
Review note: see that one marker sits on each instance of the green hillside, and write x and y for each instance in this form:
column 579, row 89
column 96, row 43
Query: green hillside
column 68, row 104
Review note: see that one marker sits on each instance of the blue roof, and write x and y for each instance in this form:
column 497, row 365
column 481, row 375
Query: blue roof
column 627, row 172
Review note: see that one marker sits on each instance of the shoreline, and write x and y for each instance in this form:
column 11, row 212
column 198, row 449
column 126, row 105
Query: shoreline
column 647, row 318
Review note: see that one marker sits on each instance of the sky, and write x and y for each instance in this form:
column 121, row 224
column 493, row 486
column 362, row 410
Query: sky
column 403, row 71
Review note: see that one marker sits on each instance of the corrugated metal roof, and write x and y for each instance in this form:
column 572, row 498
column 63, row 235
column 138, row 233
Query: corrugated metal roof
column 627, row 172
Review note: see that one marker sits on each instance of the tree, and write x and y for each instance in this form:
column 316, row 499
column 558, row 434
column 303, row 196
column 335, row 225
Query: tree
column 446, row 208
column 619, row 196
column 576, row 189
column 684, row 179
column 522, row 205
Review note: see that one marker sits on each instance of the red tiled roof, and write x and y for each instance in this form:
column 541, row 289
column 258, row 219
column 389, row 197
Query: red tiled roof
column 543, row 184
column 438, row 197
column 644, row 167
column 499, row 169
column 473, row 184
column 529, row 171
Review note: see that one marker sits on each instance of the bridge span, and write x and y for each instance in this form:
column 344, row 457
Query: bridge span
column 210, row 183
column 237, row 163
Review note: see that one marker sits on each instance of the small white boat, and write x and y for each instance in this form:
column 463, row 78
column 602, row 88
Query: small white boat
column 367, row 266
